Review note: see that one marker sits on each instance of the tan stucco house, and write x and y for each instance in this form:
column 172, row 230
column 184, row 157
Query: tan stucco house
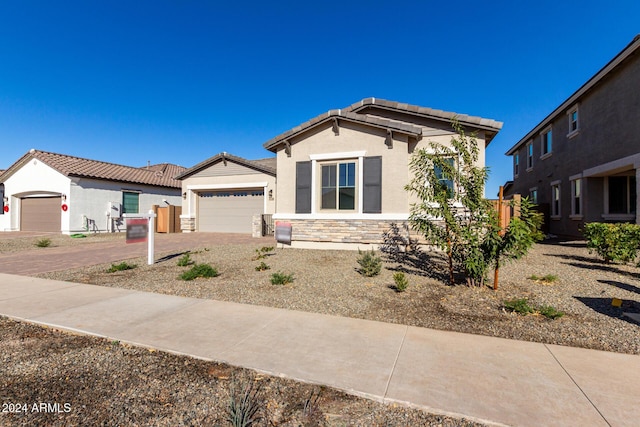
column 228, row 194
column 341, row 175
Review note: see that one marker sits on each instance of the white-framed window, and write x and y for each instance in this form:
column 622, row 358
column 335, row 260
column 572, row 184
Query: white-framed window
column 130, row 202
column 516, row 164
column 530, row 155
column 574, row 122
column 533, row 195
column 338, row 186
column 546, row 139
column 446, row 181
column 576, row 198
column 555, row 199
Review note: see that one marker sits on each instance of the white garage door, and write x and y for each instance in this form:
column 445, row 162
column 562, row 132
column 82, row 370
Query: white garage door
column 229, row 211
column 40, row 214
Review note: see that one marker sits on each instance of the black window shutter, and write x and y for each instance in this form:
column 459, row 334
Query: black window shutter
column 2, row 199
column 372, row 185
column 303, row 187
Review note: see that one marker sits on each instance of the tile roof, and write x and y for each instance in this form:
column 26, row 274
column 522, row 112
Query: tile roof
column 353, row 113
column 162, row 175
column 267, row 165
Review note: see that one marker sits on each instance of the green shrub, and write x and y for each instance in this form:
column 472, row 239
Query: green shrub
column 121, row 267
column 520, row 306
column 43, row 243
column 549, row 278
column 613, row 242
column 199, row 270
column 262, row 252
column 78, row 236
column 262, row 267
column 185, row 260
column 281, row 278
column 370, row 263
column 401, row 281
column 550, row 312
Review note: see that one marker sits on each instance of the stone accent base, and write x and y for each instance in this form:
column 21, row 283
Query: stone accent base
column 187, row 225
column 341, row 230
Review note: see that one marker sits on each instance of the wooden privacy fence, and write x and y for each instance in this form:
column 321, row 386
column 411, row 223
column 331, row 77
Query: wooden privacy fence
column 505, row 209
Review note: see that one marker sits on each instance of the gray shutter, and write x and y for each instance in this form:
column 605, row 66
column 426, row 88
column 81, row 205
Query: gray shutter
column 1, row 199
column 303, row 187
column 372, row 185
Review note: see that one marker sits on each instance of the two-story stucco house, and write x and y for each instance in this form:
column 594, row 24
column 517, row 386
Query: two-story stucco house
column 582, row 162
column 341, row 175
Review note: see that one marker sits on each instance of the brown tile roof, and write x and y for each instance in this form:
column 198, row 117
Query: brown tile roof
column 267, row 165
column 161, row 175
column 353, row 113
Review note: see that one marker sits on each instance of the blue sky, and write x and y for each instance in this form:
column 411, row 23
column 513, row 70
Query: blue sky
column 180, row 81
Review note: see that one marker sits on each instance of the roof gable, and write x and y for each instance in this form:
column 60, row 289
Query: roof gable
column 161, row 175
column 267, row 166
column 360, row 113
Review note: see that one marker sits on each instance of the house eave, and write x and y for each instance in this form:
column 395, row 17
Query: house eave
column 629, row 50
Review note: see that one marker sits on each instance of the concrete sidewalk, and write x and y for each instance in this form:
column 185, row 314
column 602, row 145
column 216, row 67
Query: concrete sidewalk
column 483, row 378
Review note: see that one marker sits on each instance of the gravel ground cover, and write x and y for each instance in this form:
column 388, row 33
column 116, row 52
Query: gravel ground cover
column 53, row 378
column 329, row 282
column 110, row 383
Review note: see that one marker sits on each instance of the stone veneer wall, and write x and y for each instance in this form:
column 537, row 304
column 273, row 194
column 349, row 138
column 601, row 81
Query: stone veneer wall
column 187, row 224
column 341, row 230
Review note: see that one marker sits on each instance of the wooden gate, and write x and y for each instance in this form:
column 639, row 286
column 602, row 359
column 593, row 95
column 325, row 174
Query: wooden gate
column 168, row 219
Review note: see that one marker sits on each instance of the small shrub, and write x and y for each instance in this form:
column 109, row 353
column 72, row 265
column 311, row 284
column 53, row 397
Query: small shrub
column 520, row 306
column 262, row 252
column 185, row 260
column 613, row 242
column 370, row 263
column 281, row 278
column 199, row 270
column 245, row 402
column 121, row 267
column 78, row 236
column 262, row 267
column 401, row 281
column 549, row 278
column 550, row 312
column 43, row 243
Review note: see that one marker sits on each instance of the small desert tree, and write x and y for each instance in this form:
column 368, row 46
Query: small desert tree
column 453, row 214
column 451, row 211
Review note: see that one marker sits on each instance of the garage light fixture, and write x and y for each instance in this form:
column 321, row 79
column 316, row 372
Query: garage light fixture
column 64, row 197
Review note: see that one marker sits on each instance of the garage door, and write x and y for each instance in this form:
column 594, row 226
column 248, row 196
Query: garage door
column 40, row 214
column 229, row 211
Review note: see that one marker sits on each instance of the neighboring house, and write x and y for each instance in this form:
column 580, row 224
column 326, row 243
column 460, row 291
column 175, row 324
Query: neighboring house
column 341, row 175
column 55, row 192
column 228, row 194
column 582, row 162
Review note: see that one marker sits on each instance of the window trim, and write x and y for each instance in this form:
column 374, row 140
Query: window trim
column 337, row 187
column 532, row 199
column 624, row 216
column 573, row 132
column 529, row 148
column 577, row 215
column 543, row 140
column 137, row 193
column 556, row 203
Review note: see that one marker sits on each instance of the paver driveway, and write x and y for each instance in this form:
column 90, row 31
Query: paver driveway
column 44, row 260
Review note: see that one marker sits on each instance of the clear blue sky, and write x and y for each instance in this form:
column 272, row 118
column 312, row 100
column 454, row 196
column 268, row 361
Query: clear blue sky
column 180, row 81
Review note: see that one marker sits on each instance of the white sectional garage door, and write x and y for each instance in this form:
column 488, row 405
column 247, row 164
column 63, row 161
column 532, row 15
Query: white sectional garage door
column 40, row 214
column 229, row 211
